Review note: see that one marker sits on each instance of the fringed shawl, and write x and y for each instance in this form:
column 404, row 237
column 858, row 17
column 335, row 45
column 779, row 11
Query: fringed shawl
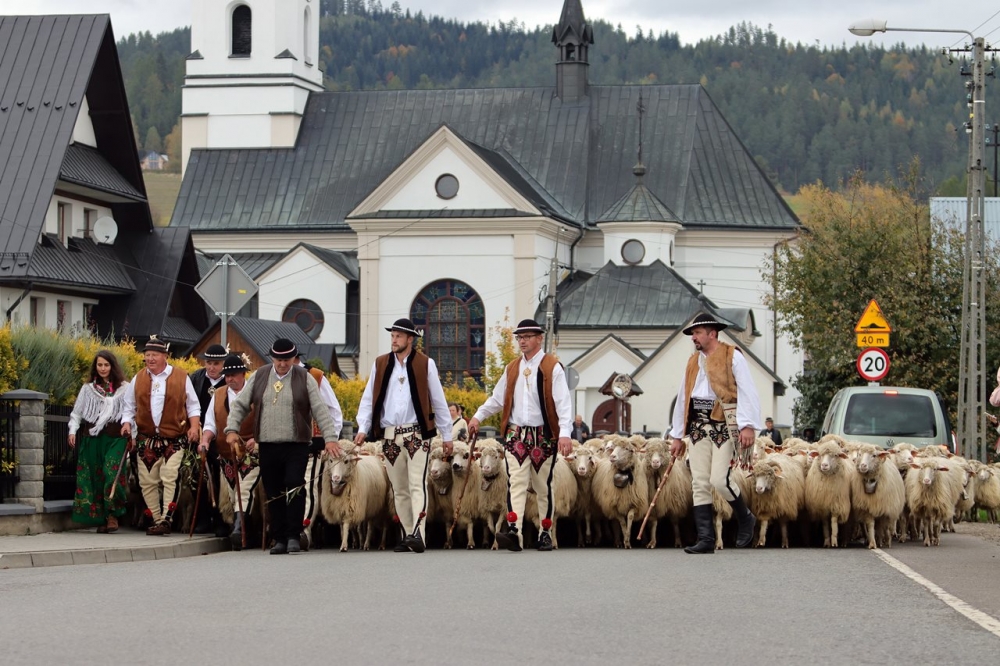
column 94, row 406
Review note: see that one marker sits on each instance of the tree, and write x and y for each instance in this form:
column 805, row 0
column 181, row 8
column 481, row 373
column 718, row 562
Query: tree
column 153, row 142
column 173, row 146
column 506, row 351
column 874, row 241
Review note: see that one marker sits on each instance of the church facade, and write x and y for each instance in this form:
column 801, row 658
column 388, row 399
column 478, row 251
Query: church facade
column 449, row 206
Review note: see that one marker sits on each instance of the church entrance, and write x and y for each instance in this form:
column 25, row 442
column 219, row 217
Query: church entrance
column 608, row 417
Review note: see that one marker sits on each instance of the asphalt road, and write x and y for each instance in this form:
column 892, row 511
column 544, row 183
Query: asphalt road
column 455, row 607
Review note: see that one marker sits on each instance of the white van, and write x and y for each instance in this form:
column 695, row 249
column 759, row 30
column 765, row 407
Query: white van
column 888, row 415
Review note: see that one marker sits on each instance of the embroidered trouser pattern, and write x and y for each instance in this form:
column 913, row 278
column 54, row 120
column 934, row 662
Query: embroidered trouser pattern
column 406, row 457
column 313, row 477
column 710, row 456
column 249, row 471
column 159, row 462
column 530, row 459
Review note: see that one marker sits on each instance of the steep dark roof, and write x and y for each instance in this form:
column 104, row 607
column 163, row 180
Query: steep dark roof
column 638, row 205
column 653, row 296
column 86, row 166
column 83, row 264
column 261, row 333
column 572, row 24
column 345, row 263
column 46, row 67
column 579, row 154
column 254, row 263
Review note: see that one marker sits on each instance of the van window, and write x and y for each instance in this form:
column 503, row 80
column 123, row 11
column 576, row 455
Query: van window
column 828, row 421
column 890, row 415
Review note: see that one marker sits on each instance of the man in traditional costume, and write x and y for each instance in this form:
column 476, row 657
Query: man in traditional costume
column 285, row 401
column 537, row 421
column 165, row 409
column 716, row 387
column 315, row 465
column 206, row 381
column 242, row 461
column 400, row 407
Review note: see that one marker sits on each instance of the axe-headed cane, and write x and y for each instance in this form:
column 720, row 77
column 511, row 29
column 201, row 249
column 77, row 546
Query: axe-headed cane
column 468, row 473
column 656, row 495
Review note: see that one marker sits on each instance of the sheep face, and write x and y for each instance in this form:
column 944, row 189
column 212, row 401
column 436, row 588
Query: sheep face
column 491, row 461
column 984, row 474
column 765, row 473
column 623, row 455
column 440, row 467
column 461, row 457
column 927, row 471
column 583, row 461
column 829, row 457
column 340, row 471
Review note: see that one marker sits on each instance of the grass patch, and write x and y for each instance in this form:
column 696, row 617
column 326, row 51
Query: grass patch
column 162, row 189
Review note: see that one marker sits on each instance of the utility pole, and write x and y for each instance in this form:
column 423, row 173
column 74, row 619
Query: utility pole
column 550, row 302
column 992, row 143
column 972, row 351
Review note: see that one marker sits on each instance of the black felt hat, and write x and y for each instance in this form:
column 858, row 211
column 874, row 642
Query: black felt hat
column 283, row 348
column 528, row 326
column 704, row 319
column 234, row 365
column 215, row 352
column 404, row 326
column 154, row 344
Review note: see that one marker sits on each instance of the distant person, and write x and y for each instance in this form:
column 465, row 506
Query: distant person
column 809, row 434
column 459, row 426
column 770, row 431
column 580, row 430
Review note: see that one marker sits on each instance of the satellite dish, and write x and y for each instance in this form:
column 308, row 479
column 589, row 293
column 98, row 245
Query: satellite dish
column 572, row 378
column 621, row 387
column 105, row 231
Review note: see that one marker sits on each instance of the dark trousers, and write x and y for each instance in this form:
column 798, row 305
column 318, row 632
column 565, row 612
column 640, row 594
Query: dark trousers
column 203, row 511
column 282, row 469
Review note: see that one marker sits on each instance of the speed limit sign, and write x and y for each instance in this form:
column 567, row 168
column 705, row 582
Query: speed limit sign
column 873, row 364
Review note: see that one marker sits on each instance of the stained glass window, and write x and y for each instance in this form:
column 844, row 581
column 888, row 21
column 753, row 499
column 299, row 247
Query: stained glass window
column 453, row 320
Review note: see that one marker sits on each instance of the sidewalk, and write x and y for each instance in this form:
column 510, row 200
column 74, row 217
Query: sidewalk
column 88, row 547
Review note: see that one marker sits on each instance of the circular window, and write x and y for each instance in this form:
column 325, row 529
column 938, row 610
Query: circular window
column 446, row 186
column 306, row 315
column 633, row 251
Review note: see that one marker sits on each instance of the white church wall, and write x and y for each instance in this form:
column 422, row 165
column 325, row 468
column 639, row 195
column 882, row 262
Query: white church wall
column 657, row 239
column 474, row 193
column 301, row 275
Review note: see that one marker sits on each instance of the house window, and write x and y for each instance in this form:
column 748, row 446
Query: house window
column 63, row 220
column 89, row 217
column 241, row 32
column 305, row 314
column 88, row 317
column 306, row 46
column 63, row 311
column 452, row 317
column 36, row 315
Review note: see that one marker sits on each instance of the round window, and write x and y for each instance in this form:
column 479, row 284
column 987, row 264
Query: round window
column 305, row 314
column 633, row 251
column 446, row 186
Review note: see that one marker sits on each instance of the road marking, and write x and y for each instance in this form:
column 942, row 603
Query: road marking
column 987, row 622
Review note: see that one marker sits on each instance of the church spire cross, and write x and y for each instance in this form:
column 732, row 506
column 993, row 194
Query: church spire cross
column 640, row 169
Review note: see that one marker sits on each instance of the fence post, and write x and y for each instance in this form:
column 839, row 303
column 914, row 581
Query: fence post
column 29, row 443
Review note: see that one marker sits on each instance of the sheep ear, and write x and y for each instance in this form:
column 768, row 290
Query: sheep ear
column 883, row 454
column 914, row 465
column 813, row 454
column 778, row 473
column 571, row 456
column 942, row 469
column 842, row 455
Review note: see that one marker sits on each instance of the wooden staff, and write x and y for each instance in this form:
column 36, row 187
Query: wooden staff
column 652, row 502
column 197, row 497
column 114, row 481
column 239, row 495
column 458, row 504
column 208, row 480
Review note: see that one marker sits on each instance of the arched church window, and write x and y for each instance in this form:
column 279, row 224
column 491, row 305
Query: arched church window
column 453, row 320
column 241, row 31
column 305, row 314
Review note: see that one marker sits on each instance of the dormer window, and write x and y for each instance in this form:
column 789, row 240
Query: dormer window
column 446, row 186
column 241, row 35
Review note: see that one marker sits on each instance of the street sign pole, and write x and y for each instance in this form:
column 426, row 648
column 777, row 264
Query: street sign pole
column 226, row 260
column 226, row 288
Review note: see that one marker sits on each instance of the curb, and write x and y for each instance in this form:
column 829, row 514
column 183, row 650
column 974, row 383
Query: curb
column 56, row 558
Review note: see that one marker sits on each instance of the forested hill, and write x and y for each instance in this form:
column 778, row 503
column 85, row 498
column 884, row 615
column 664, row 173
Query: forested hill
column 806, row 113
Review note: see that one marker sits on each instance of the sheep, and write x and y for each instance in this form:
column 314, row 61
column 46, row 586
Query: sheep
column 967, row 498
column 440, row 491
column 722, row 511
column 902, row 454
column 583, row 462
column 675, row 498
column 877, row 494
column 987, row 490
column 828, row 488
column 621, row 486
column 485, row 495
column 356, row 492
column 564, row 495
column 931, row 493
column 778, row 493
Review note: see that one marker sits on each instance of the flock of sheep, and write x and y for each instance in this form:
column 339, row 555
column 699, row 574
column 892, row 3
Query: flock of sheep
column 853, row 490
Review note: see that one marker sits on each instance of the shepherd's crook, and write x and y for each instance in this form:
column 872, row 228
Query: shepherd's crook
column 652, row 502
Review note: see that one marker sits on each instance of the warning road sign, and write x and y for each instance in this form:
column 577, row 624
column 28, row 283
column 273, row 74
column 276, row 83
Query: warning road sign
column 872, row 320
column 873, row 364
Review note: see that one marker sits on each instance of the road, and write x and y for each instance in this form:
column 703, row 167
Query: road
column 455, row 607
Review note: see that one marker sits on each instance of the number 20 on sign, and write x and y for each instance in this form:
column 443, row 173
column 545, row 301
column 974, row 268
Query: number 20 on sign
column 873, row 364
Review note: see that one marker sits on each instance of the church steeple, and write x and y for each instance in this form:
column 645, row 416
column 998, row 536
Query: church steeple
column 572, row 36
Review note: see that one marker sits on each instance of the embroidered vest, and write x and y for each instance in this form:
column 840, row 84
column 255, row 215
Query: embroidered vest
column 222, row 415
column 416, row 374
column 316, row 374
column 550, row 417
column 173, row 421
column 300, row 401
column 719, row 370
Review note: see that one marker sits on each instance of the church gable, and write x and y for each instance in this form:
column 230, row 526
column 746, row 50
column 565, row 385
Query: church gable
column 448, row 173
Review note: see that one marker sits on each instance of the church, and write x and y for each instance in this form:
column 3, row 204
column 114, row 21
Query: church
column 458, row 209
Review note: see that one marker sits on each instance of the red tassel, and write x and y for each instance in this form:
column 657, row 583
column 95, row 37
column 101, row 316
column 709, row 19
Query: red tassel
column 546, row 523
column 148, row 513
column 423, row 514
column 306, row 522
column 395, row 519
column 511, row 517
column 172, row 506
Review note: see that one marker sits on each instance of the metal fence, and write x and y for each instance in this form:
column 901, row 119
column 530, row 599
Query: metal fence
column 60, row 460
column 8, row 458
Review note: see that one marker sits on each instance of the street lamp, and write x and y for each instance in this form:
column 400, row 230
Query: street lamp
column 972, row 354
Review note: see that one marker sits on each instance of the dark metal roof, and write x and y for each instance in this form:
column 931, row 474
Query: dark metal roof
column 85, row 166
column 438, row 214
column 653, row 296
column 345, row 263
column 638, row 205
column 178, row 329
column 261, row 333
column 579, row 154
column 47, row 66
column 572, row 24
column 254, row 263
column 84, row 264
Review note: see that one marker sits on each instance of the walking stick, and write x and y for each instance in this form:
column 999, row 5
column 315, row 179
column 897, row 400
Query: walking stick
column 656, row 495
column 239, row 496
column 197, row 497
column 114, row 481
column 458, row 504
column 208, row 476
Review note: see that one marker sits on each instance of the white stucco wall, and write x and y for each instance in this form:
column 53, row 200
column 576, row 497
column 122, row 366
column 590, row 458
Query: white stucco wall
column 473, row 191
column 75, row 215
column 83, row 131
column 594, row 371
column 49, row 311
column 301, row 275
column 656, row 237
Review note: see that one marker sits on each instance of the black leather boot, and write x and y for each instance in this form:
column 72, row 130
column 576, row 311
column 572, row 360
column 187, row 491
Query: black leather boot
column 509, row 539
column 414, row 542
column 706, row 531
column 544, row 541
column 746, row 520
column 236, row 536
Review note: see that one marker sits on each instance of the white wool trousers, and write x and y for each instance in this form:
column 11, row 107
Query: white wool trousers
column 519, row 476
column 406, row 456
column 711, row 466
column 162, row 470
column 314, row 474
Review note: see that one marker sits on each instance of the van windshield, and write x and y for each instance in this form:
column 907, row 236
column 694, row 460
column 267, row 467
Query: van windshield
column 898, row 415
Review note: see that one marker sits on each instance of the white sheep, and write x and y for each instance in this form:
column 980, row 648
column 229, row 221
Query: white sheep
column 440, row 491
column 828, row 488
column 485, row 497
column 931, row 494
column 621, row 487
column 583, row 462
column 675, row 499
column 877, row 494
column 356, row 492
column 778, row 493
column 987, row 490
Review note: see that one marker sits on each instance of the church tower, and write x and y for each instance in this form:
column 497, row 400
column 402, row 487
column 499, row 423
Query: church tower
column 252, row 66
column 572, row 36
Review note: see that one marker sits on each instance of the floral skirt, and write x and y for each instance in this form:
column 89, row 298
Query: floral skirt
column 97, row 464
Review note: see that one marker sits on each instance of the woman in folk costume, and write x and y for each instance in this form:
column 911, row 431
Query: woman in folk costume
column 100, row 447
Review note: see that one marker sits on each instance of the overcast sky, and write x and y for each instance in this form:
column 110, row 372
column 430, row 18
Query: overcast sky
column 794, row 20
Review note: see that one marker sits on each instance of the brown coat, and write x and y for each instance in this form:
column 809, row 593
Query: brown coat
column 550, row 416
column 173, row 421
column 719, row 369
column 222, row 415
column 416, row 373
